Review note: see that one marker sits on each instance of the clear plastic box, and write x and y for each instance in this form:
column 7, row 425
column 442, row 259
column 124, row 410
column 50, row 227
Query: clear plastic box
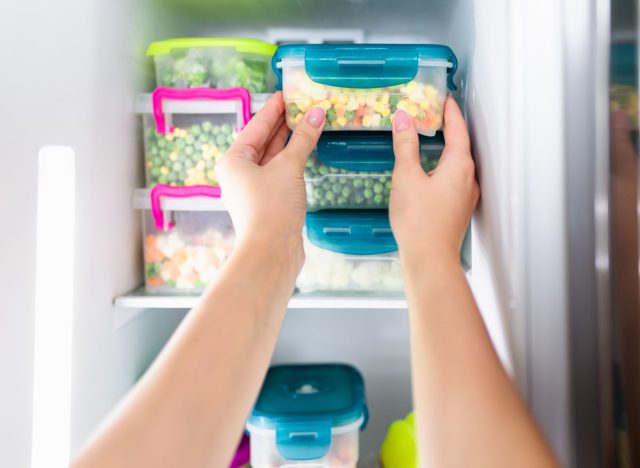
column 343, row 453
column 186, row 131
column 308, row 416
column 213, row 63
column 361, row 86
column 349, row 251
column 184, row 247
column 352, row 170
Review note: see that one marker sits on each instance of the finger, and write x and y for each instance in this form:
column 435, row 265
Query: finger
column 623, row 153
column 276, row 144
column 305, row 136
column 406, row 144
column 456, row 135
column 253, row 138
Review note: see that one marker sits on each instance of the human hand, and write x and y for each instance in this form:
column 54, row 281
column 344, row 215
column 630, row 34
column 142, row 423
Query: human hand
column 430, row 212
column 262, row 180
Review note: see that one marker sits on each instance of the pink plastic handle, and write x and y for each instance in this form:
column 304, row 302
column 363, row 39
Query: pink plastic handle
column 160, row 191
column 159, row 94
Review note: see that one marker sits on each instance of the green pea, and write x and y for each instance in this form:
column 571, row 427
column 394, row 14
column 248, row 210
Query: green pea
column 215, row 130
column 346, row 191
column 203, row 138
column 225, row 128
column 387, row 185
column 378, row 199
column 230, row 139
column 329, row 196
column 177, row 167
column 189, row 150
column 331, row 115
column 378, row 188
column 393, row 100
column 189, row 140
column 326, row 186
column 368, row 183
column 195, row 130
column 324, row 170
column 207, row 126
column 317, row 193
column 336, row 188
column 358, row 182
column 349, row 115
column 155, row 171
column 368, row 193
column 221, row 140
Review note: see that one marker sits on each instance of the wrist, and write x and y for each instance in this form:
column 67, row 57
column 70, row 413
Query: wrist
column 417, row 260
column 281, row 252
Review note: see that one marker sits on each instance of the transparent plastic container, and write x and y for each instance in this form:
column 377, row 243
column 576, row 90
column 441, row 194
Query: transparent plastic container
column 213, row 63
column 352, row 170
column 184, row 247
column 186, row 131
column 361, row 86
column 349, row 251
column 308, row 416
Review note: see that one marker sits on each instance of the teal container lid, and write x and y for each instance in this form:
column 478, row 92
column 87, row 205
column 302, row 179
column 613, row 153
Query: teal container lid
column 624, row 64
column 365, row 65
column 367, row 151
column 304, row 402
column 359, row 232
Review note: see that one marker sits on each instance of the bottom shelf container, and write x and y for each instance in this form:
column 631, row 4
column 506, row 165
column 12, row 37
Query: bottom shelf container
column 308, row 416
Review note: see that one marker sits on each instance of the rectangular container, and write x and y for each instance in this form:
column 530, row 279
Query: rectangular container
column 308, row 416
column 361, row 86
column 214, row 63
column 349, row 251
column 352, row 170
column 186, row 131
column 187, row 237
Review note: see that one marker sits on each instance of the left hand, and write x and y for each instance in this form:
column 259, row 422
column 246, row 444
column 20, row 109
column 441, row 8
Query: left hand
column 262, row 180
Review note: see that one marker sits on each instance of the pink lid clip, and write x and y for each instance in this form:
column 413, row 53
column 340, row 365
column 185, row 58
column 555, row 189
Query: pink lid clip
column 162, row 93
column 160, row 191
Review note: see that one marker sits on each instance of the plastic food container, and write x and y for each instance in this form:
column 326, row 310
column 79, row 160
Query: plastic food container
column 362, row 85
column 187, row 237
column 352, row 170
column 213, row 63
column 186, row 131
column 308, row 416
column 350, row 251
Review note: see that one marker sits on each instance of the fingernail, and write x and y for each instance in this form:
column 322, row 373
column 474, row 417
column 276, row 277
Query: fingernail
column 316, row 116
column 401, row 121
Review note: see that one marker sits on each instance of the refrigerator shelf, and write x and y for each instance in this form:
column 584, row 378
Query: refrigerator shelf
column 140, row 299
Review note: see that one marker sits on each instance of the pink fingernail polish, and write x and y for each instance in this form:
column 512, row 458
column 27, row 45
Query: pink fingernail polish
column 316, row 116
column 401, row 121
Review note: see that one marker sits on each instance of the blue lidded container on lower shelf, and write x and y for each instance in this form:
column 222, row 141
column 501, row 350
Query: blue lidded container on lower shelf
column 308, row 414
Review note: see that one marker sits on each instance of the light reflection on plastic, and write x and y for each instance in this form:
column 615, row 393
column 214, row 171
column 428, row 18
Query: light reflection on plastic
column 53, row 308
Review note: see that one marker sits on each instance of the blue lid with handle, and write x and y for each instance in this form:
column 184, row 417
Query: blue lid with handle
column 361, row 232
column 304, row 402
column 368, row 151
column 365, row 65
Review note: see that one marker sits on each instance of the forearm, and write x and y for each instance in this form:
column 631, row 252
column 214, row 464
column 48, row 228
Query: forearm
column 466, row 406
column 190, row 407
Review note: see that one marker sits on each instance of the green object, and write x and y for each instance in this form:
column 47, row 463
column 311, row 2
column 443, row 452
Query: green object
column 247, row 46
column 399, row 449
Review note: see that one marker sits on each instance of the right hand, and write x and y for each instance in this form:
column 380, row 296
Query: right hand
column 430, row 212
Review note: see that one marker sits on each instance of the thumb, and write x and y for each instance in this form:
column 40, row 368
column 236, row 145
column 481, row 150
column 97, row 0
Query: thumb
column 405, row 142
column 305, row 136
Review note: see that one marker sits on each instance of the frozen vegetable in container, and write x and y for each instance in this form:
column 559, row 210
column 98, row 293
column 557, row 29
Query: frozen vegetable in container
column 213, row 63
column 308, row 416
column 361, row 86
column 352, row 170
column 184, row 246
column 349, row 251
column 186, row 131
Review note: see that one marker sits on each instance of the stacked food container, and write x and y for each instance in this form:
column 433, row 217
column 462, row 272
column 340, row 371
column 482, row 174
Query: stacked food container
column 349, row 245
column 207, row 90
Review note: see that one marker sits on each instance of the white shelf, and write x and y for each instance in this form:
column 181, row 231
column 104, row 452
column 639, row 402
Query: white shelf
column 140, row 299
column 130, row 305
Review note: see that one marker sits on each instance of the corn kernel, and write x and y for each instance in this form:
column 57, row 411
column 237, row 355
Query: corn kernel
column 297, row 119
column 343, row 98
column 366, row 121
column 412, row 86
column 385, row 112
column 342, row 121
column 430, row 92
column 326, row 105
column 385, row 98
column 211, row 174
column 378, row 106
column 173, row 156
column 164, row 170
column 424, row 105
column 413, row 110
column 200, row 166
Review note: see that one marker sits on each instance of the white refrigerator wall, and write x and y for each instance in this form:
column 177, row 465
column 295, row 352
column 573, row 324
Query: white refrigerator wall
column 76, row 86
